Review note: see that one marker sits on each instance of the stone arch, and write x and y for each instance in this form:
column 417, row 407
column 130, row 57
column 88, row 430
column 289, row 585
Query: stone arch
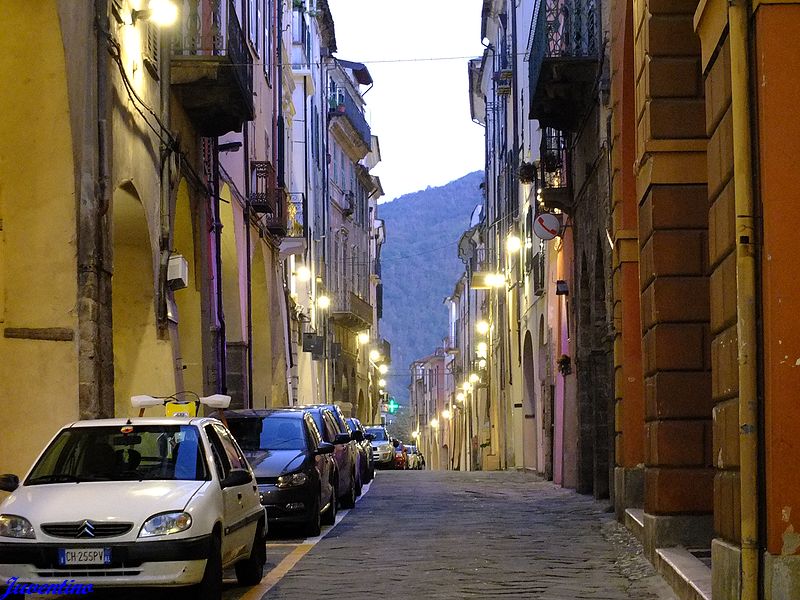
column 260, row 339
column 530, row 442
column 143, row 363
column 363, row 409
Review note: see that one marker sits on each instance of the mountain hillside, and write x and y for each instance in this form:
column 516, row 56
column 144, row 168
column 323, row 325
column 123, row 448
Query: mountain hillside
column 420, row 266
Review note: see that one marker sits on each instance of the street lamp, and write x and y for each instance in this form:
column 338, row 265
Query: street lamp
column 513, row 244
column 160, row 12
column 466, row 386
column 382, row 369
column 446, row 414
column 303, row 273
column 482, row 327
column 460, row 396
column 473, row 378
column 382, row 382
column 482, row 350
column 363, row 337
column 374, row 355
column 323, row 302
column 435, row 423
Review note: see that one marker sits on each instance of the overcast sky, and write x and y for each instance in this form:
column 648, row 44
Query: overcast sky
column 419, row 109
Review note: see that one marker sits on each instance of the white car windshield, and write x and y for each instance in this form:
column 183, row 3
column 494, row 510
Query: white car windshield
column 122, row 453
column 379, row 433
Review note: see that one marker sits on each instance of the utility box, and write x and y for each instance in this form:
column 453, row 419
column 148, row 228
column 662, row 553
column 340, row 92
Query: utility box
column 177, row 272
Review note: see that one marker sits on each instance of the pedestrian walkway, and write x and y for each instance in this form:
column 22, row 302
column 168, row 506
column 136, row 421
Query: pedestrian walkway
column 435, row 535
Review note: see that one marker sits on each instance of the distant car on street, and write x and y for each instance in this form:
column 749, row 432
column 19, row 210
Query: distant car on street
column 150, row 501
column 382, row 449
column 415, row 460
column 294, row 469
column 400, row 455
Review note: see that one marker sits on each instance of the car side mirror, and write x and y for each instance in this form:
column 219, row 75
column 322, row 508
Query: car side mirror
column 370, row 436
column 358, row 435
column 342, row 438
column 237, row 477
column 324, row 448
column 8, row 483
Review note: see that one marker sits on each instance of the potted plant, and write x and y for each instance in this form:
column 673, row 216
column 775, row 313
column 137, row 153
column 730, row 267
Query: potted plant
column 527, row 172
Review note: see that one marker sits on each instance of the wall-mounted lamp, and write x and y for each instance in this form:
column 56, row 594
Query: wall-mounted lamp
column 482, row 327
column 323, row 302
column 374, row 355
column 303, row 273
column 363, row 337
column 513, row 244
column 383, row 369
column 160, row 12
column 562, row 288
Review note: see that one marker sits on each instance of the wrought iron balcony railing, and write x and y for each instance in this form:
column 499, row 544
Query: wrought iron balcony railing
column 269, row 199
column 211, row 66
column 554, row 163
column 564, row 32
column 341, row 104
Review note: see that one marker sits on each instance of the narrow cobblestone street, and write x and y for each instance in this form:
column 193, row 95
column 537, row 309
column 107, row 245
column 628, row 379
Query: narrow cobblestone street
column 424, row 534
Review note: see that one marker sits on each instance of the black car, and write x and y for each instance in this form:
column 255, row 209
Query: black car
column 331, row 423
column 364, row 450
column 294, row 466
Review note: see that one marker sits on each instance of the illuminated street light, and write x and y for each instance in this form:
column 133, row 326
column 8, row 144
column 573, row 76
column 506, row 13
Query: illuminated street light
column 160, row 12
column 323, row 302
column 382, row 383
column 482, row 327
column 446, row 414
column 303, row 273
column 466, row 386
column 374, row 355
column 513, row 244
column 460, row 396
column 473, row 378
column 482, row 363
column 435, row 423
column 482, row 349
column 496, row 279
column 415, row 434
column 382, row 369
column 363, row 337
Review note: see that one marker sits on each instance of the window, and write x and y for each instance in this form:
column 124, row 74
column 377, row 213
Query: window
column 254, row 25
column 269, row 46
column 329, row 423
column 235, row 456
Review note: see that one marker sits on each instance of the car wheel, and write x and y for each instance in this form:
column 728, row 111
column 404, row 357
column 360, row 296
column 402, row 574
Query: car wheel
column 250, row 570
column 210, row 588
column 349, row 499
column 329, row 516
column 314, row 524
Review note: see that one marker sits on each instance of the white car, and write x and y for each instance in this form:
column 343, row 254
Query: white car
column 135, row 502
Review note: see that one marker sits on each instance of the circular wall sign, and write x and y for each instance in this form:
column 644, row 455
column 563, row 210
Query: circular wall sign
column 546, row 226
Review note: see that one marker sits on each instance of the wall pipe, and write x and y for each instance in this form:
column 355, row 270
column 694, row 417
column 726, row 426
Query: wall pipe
column 746, row 299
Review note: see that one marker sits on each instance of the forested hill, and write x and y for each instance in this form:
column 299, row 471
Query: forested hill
column 420, row 266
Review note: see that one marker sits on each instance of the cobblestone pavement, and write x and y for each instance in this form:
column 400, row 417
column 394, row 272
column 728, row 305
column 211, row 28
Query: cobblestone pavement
column 435, row 535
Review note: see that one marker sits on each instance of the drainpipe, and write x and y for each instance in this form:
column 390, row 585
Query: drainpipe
column 738, row 15
column 222, row 383
column 248, row 261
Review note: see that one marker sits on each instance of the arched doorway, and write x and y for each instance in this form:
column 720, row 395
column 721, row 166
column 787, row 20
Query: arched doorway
column 143, row 362
column 530, row 442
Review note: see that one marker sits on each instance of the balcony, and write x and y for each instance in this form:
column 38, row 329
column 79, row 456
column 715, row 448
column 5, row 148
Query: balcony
column 347, row 120
column 555, row 193
column 301, row 42
column 295, row 240
column 351, row 311
column 564, row 61
column 211, row 68
column 269, row 199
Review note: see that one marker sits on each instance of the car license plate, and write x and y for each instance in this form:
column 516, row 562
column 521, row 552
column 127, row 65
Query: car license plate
column 84, row 556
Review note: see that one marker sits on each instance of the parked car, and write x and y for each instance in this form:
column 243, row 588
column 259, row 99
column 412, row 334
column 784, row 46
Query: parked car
column 382, row 449
column 293, row 466
column 364, row 450
column 400, row 455
column 414, row 457
column 331, row 424
column 135, row 502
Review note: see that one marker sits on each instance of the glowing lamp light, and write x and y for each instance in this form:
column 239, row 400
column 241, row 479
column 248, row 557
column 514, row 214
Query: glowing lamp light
column 466, row 386
column 482, row 327
column 363, row 338
column 446, row 414
column 460, row 396
column 161, row 12
column 496, row 279
column 382, row 369
column 473, row 378
column 323, row 302
column 482, row 363
column 382, row 382
column 513, row 244
column 435, row 423
column 415, row 434
column 374, row 355
column 482, row 349
column 303, row 273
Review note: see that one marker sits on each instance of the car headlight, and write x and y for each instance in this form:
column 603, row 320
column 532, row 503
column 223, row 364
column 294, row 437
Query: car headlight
column 292, row 480
column 166, row 523
column 16, row 527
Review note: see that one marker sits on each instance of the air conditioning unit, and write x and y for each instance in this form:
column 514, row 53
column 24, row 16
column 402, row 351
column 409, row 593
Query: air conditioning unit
column 177, row 272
